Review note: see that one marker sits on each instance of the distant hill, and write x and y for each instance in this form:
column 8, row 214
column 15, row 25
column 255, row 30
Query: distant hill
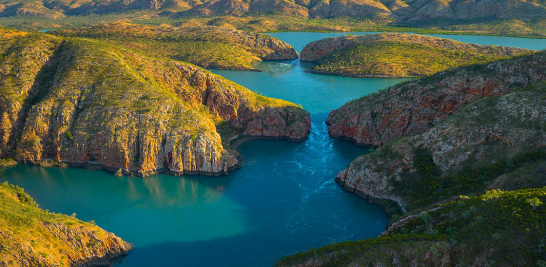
column 414, row 11
column 398, row 55
column 205, row 46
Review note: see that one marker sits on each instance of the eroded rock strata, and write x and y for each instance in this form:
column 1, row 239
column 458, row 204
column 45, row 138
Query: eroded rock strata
column 415, row 106
column 89, row 103
column 484, row 141
column 30, row 236
column 472, row 189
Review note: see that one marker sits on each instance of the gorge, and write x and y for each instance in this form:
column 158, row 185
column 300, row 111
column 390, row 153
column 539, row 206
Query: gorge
column 272, row 207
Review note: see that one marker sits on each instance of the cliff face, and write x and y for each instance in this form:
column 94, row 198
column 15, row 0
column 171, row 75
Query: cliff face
column 94, row 104
column 30, row 236
column 416, row 106
column 484, row 141
column 205, row 46
column 398, row 55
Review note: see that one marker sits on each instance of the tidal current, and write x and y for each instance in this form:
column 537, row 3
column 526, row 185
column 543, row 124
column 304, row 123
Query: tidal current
column 282, row 201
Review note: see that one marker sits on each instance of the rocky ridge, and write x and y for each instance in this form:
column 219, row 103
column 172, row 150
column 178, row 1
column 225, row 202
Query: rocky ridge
column 398, row 55
column 92, row 104
column 206, row 46
column 422, row 11
column 49, row 239
column 416, row 106
column 489, row 131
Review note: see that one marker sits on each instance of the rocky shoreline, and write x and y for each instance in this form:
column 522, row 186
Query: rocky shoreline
column 370, row 198
column 415, row 106
column 90, row 165
column 51, row 239
column 155, row 116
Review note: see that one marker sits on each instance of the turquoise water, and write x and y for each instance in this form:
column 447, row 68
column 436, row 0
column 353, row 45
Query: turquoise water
column 282, row 201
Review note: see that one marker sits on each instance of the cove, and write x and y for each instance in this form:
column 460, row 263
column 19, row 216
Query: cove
column 282, row 201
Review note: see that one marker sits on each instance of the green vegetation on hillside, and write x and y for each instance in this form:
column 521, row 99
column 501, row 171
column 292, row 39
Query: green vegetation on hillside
column 407, row 58
column 30, row 236
column 75, row 99
column 277, row 22
column 498, row 228
column 427, row 185
column 473, row 184
column 207, row 46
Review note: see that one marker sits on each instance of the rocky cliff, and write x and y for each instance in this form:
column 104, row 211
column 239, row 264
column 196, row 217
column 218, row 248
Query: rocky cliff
column 415, row 106
column 205, row 46
column 30, row 236
column 89, row 103
column 482, row 142
column 397, row 55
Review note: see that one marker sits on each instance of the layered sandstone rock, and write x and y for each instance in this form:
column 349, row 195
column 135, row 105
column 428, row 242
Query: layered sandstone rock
column 416, row 106
column 49, row 239
column 97, row 105
column 489, row 131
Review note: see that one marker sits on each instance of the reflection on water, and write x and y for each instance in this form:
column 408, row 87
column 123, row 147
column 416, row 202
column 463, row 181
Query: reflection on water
column 282, row 201
column 187, row 209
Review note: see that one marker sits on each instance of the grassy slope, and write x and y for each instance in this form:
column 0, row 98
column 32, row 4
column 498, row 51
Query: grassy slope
column 207, row 47
column 29, row 235
column 399, row 56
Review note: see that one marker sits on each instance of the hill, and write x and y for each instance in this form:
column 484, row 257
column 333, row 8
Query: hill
column 30, row 236
column 205, row 46
column 468, row 191
column 392, row 55
column 413, row 12
column 416, row 106
column 94, row 104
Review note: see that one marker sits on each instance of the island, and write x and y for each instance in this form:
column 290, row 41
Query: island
column 397, row 55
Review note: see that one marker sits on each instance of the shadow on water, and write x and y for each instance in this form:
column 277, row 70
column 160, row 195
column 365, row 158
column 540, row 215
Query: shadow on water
column 280, row 202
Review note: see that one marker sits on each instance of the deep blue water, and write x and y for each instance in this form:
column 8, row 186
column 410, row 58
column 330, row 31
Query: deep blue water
column 282, row 201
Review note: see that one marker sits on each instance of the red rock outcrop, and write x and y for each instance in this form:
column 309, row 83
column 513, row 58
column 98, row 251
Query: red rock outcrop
column 50, row 239
column 416, row 106
column 96, row 105
column 483, row 133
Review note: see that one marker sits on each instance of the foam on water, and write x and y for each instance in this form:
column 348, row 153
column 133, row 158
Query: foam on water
column 282, row 201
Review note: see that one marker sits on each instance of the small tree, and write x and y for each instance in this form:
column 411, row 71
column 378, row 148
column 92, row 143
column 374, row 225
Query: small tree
column 425, row 217
column 69, row 135
column 534, row 202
